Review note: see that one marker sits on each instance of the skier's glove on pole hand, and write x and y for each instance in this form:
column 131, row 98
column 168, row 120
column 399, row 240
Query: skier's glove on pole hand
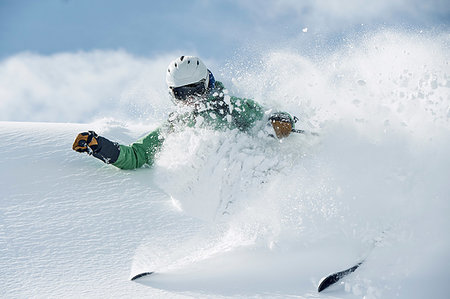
column 282, row 124
column 86, row 142
column 98, row 146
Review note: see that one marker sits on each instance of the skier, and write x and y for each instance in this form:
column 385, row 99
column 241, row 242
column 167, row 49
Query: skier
column 205, row 103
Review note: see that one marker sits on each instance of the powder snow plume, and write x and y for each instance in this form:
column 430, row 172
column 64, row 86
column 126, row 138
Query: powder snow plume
column 377, row 170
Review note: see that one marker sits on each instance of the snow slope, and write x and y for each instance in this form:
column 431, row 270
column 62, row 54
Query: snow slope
column 226, row 214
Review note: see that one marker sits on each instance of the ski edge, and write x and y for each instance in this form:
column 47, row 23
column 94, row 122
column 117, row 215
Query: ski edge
column 141, row 275
column 335, row 277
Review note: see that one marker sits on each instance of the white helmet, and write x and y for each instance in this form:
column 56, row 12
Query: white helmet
column 186, row 70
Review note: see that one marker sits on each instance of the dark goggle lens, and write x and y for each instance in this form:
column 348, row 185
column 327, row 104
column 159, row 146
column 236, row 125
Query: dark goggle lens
column 182, row 92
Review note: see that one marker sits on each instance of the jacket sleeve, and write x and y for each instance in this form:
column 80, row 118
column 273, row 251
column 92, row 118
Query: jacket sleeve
column 141, row 152
column 245, row 112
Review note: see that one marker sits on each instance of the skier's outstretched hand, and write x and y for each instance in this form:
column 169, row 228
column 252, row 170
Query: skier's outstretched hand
column 86, row 142
column 97, row 146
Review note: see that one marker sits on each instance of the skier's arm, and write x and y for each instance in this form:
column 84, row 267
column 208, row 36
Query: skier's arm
column 133, row 156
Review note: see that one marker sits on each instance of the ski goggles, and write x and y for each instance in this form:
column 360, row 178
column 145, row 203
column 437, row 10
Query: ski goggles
column 183, row 92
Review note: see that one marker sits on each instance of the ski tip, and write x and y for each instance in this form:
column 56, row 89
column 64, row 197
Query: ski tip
column 140, row 275
column 335, row 277
column 326, row 282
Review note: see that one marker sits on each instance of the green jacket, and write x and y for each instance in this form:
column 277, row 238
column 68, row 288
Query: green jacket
column 218, row 111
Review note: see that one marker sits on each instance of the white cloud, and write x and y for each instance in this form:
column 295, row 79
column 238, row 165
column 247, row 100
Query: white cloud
column 77, row 87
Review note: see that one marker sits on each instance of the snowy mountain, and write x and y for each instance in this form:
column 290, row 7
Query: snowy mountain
column 227, row 214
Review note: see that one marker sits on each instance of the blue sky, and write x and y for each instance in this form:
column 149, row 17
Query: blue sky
column 212, row 29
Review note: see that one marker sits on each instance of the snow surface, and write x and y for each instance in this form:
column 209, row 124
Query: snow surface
column 227, row 214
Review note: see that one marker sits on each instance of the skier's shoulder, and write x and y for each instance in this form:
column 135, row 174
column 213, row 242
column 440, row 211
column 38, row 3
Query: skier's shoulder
column 218, row 86
column 216, row 94
column 219, row 92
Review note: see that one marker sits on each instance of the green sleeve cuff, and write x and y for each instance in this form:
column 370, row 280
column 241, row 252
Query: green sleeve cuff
column 141, row 152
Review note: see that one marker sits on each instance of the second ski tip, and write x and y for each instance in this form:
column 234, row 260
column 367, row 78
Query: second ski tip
column 140, row 275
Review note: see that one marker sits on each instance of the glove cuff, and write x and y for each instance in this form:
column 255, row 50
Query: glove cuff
column 107, row 151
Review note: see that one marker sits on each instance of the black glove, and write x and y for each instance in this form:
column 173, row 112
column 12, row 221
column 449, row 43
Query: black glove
column 98, row 146
column 282, row 124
